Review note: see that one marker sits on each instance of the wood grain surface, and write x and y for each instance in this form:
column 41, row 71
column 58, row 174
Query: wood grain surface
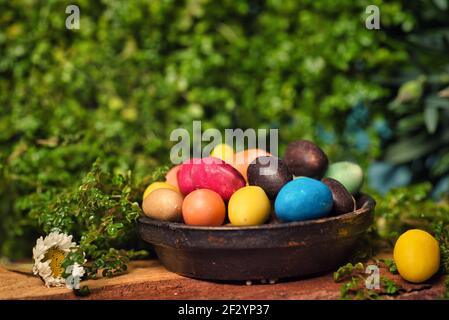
column 149, row 280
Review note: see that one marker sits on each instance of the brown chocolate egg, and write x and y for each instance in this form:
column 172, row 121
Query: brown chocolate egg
column 163, row 204
column 269, row 173
column 344, row 202
column 304, row 158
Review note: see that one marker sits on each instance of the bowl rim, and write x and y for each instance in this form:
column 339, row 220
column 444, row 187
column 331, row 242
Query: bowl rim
column 368, row 205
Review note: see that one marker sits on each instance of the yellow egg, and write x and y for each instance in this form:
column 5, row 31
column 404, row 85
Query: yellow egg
column 224, row 152
column 158, row 185
column 249, row 206
column 417, row 255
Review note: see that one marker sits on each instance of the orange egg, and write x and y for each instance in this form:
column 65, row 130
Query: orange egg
column 171, row 176
column 203, row 207
column 243, row 158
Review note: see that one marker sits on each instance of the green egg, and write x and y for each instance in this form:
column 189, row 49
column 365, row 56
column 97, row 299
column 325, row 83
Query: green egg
column 348, row 174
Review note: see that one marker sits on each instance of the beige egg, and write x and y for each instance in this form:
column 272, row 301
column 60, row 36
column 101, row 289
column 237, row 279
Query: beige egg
column 163, row 204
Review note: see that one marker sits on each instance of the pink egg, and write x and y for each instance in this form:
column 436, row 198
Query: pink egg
column 184, row 176
column 210, row 173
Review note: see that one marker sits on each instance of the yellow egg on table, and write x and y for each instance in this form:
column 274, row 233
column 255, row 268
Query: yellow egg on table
column 417, row 255
column 249, row 206
column 224, row 152
column 158, row 185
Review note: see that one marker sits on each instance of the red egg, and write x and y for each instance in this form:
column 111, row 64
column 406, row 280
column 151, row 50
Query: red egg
column 210, row 173
column 203, row 207
column 184, row 176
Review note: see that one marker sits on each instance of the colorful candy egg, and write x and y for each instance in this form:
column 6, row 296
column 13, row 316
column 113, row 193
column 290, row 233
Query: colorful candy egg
column 417, row 255
column 304, row 158
column 158, row 185
column 172, row 176
column 303, row 199
column 344, row 202
column 224, row 152
column 210, row 173
column 249, row 206
column 163, row 204
column 348, row 174
column 184, row 176
column 203, row 207
column 269, row 173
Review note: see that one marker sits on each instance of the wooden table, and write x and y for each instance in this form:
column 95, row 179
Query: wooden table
column 149, row 280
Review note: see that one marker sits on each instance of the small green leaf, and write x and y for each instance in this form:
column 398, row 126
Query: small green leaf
column 441, row 4
column 410, row 91
column 438, row 102
column 391, row 265
column 410, row 123
column 407, row 149
column 348, row 270
column 441, row 165
column 431, row 119
column 390, row 287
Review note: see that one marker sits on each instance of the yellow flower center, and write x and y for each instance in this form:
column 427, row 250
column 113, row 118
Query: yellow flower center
column 56, row 257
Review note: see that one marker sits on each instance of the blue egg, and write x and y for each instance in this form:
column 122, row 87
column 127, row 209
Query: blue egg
column 303, row 199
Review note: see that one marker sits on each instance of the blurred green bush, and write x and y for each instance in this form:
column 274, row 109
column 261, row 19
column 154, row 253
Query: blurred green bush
column 419, row 112
column 138, row 69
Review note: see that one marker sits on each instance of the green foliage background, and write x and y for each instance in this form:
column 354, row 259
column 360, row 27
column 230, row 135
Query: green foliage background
column 136, row 70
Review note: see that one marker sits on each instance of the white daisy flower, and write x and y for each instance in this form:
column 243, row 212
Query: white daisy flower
column 49, row 254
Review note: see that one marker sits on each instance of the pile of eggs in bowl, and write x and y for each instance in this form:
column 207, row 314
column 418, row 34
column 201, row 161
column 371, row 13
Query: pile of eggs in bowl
column 246, row 189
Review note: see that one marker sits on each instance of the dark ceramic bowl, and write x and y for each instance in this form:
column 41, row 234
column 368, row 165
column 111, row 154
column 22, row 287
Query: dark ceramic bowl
column 269, row 251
